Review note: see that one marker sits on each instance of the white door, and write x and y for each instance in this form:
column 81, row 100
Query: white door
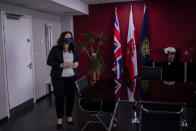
column 17, row 39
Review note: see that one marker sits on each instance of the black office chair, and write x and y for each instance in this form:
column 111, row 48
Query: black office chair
column 158, row 117
column 82, row 84
column 151, row 73
column 94, row 107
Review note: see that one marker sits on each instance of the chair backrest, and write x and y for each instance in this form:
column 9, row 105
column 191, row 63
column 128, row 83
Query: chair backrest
column 160, row 118
column 151, row 73
column 82, row 84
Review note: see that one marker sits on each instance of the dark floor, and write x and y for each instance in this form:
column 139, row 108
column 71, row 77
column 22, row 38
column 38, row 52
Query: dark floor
column 42, row 117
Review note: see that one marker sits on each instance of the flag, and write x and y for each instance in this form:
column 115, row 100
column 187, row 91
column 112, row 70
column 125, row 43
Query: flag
column 118, row 56
column 117, row 88
column 131, row 91
column 117, row 47
column 145, row 45
column 131, row 55
column 114, row 67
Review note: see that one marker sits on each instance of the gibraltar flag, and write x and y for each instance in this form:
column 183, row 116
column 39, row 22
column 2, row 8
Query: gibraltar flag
column 131, row 57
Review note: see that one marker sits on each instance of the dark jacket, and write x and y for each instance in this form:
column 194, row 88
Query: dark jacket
column 55, row 58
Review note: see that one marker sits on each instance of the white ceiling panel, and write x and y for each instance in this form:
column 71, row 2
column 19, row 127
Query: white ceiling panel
column 60, row 7
column 90, row 2
column 43, row 5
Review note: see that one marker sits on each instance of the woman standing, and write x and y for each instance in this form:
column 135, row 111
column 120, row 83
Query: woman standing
column 64, row 61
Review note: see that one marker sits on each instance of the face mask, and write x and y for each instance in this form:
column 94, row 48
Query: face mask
column 68, row 40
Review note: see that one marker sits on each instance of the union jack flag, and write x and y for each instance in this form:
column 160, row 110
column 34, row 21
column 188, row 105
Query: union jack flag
column 117, row 88
column 114, row 67
column 117, row 67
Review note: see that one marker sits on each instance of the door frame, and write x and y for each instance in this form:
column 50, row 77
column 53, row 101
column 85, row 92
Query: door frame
column 4, row 57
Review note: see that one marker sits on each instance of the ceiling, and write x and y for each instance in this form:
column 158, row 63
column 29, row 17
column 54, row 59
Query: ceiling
column 91, row 2
column 59, row 7
column 41, row 5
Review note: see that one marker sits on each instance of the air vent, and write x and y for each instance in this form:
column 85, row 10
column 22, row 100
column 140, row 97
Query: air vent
column 13, row 16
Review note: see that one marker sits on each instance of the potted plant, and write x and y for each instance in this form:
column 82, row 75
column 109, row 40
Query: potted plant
column 90, row 45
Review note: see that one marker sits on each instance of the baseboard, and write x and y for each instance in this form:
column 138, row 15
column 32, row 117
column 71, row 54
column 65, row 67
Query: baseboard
column 24, row 107
column 44, row 96
column 28, row 104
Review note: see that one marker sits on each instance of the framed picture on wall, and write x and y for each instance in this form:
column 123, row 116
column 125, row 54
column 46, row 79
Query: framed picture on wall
column 186, row 54
column 48, row 38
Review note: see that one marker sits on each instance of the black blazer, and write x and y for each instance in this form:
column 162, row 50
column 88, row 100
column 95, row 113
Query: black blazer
column 55, row 58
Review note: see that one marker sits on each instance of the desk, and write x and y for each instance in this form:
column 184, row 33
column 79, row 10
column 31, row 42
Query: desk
column 177, row 71
column 145, row 91
column 160, row 97
column 178, row 94
column 191, row 72
column 160, row 92
column 172, row 71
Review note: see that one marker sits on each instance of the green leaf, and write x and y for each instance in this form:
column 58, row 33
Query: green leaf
column 97, row 61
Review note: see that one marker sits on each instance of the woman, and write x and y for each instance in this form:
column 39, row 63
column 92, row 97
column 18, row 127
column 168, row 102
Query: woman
column 64, row 61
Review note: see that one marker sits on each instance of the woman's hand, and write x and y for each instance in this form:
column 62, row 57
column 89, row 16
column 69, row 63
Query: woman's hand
column 75, row 64
column 64, row 65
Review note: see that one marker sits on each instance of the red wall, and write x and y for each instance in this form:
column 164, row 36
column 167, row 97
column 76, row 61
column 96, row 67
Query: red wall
column 169, row 24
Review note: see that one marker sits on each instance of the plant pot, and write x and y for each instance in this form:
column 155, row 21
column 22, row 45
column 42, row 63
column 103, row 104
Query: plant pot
column 92, row 82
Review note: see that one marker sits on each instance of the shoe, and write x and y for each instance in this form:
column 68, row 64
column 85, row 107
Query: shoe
column 59, row 126
column 70, row 122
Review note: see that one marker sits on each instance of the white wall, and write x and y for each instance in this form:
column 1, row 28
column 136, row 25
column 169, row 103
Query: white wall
column 42, row 71
column 67, row 23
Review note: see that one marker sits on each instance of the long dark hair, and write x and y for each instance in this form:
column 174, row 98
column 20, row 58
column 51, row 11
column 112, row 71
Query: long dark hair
column 61, row 41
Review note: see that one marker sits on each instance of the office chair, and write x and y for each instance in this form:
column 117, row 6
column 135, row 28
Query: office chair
column 95, row 107
column 151, row 73
column 160, row 117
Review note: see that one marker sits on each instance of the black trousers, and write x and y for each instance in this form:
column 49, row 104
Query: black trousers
column 64, row 90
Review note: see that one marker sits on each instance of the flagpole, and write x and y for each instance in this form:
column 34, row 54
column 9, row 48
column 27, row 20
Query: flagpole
column 145, row 7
